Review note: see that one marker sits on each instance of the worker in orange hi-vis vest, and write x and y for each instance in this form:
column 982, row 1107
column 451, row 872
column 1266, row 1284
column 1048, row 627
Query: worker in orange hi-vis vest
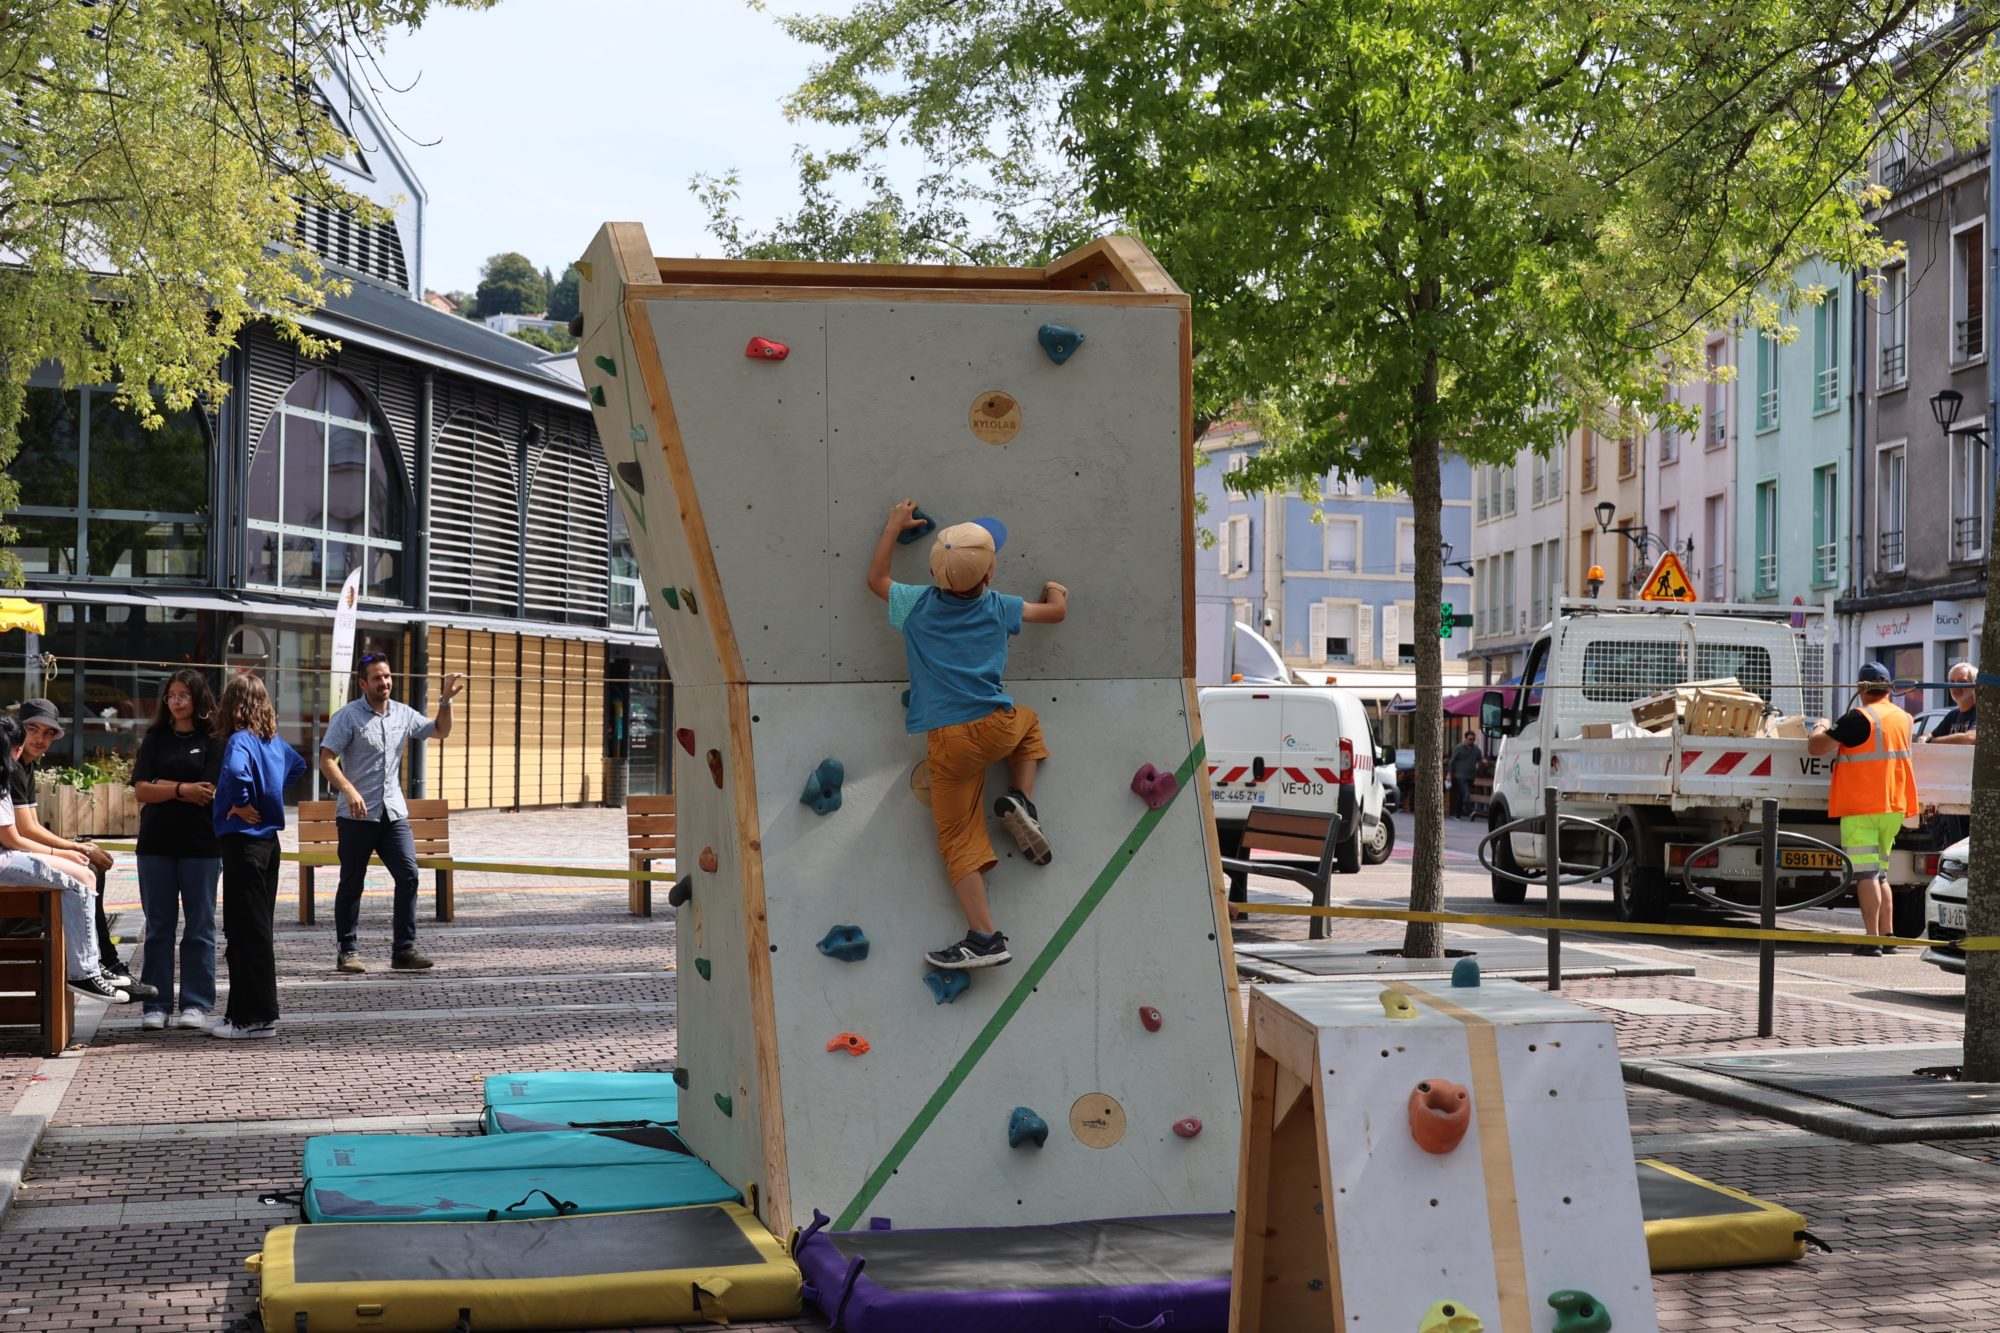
column 1874, row 789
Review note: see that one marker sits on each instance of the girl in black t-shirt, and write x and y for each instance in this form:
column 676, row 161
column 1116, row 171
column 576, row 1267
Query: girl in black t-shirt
column 179, row 861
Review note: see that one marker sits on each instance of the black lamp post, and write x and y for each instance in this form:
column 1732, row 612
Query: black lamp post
column 1944, row 410
column 1650, row 547
column 1463, row 566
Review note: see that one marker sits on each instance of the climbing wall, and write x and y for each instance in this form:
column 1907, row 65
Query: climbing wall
column 760, row 420
column 1473, row 1152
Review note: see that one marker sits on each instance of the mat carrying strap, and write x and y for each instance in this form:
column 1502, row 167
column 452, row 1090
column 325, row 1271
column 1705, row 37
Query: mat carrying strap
column 1113, row 1324
column 287, row 1196
column 562, row 1206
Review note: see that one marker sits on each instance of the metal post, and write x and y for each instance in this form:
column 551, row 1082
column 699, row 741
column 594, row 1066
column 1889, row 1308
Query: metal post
column 1767, row 950
column 1552, row 869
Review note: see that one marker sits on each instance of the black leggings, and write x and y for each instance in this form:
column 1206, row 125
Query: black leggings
column 249, row 893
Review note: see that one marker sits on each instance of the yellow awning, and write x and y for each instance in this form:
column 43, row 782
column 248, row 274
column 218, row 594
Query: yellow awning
column 20, row 613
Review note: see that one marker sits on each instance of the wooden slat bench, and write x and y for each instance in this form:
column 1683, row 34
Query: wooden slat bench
column 430, row 830
column 649, row 837
column 34, row 974
column 1304, row 834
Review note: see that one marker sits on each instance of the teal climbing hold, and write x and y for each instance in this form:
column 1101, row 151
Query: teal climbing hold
column 638, row 435
column 701, row 965
column 908, row 535
column 682, row 890
column 597, row 394
column 726, row 1105
column 681, row 1079
column 607, row 365
column 1580, row 1312
column 1024, row 1126
column 671, row 598
column 822, row 791
column 1465, row 973
column 1060, row 343
column 947, row 984
column 846, row 943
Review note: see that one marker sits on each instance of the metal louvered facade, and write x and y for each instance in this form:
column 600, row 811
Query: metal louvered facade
column 567, row 571
column 375, row 249
column 475, row 516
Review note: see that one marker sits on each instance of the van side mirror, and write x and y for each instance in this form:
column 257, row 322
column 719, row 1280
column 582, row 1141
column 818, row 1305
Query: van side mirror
column 1492, row 712
column 1386, row 755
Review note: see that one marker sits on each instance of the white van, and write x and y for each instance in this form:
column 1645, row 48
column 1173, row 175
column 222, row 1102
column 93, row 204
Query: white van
column 1297, row 747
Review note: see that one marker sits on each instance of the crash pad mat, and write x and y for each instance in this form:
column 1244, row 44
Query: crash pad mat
column 1694, row 1223
column 550, row 1100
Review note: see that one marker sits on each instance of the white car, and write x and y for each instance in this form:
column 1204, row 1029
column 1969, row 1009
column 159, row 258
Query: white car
column 1944, row 908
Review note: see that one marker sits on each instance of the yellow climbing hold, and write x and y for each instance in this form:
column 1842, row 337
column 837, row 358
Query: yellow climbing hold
column 1397, row 1005
column 1448, row 1316
column 582, row 266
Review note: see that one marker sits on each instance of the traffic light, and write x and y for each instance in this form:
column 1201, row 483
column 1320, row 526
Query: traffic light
column 1444, row 621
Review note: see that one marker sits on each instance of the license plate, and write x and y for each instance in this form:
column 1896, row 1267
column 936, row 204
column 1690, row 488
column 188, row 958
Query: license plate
column 1951, row 915
column 1801, row 858
column 1240, row 796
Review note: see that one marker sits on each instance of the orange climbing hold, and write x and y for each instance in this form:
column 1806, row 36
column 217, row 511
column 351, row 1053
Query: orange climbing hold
column 852, row 1042
column 1440, row 1113
column 764, row 349
column 708, row 861
column 715, row 766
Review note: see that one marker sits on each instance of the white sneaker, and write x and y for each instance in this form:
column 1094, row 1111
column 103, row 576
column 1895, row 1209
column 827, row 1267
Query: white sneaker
column 153, row 1020
column 193, row 1018
column 228, row 1031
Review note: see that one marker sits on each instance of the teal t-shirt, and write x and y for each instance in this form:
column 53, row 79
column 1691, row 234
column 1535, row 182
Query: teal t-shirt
column 957, row 648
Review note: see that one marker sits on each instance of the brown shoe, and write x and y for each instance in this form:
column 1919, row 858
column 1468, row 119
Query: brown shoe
column 349, row 961
column 409, row 960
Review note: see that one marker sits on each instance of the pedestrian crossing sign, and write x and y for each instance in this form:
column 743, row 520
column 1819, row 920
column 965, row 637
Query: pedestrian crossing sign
column 1668, row 582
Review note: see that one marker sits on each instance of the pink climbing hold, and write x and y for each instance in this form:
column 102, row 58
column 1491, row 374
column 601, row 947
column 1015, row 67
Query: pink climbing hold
column 1187, row 1128
column 1150, row 1017
column 708, row 860
column 763, row 349
column 1154, row 787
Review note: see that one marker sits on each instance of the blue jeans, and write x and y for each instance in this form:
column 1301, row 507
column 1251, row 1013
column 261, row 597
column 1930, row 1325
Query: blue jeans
column 390, row 840
column 79, row 930
column 168, row 887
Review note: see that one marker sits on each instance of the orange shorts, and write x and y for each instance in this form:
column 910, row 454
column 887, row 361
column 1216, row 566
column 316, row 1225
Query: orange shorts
column 959, row 757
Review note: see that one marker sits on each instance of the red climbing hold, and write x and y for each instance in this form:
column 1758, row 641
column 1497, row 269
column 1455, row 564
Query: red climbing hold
column 715, row 766
column 707, row 860
column 686, row 737
column 1154, row 787
column 1440, row 1112
column 1149, row 1016
column 852, row 1042
column 1187, row 1128
column 763, row 349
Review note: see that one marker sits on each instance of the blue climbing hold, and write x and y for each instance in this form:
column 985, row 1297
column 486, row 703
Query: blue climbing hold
column 1060, row 343
column 1465, row 973
column 947, row 984
column 846, row 943
column 908, row 535
column 1024, row 1126
column 822, row 791
column 906, row 698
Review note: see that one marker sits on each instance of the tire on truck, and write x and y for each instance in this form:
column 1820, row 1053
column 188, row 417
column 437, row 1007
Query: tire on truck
column 1639, row 888
column 1504, row 890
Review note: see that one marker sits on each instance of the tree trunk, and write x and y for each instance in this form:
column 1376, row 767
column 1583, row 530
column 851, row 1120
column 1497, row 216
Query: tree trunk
column 1426, row 939
column 1982, row 905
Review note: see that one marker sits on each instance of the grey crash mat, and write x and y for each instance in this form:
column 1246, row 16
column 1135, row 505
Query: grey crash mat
column 1881, row 1083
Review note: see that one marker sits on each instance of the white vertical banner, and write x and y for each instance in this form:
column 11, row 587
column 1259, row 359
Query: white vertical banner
column 342, row 666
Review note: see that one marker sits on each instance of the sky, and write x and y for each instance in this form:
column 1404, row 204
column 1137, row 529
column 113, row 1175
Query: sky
column 533, row 123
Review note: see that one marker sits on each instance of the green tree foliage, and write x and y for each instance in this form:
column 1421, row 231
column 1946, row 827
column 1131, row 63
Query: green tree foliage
column 1422, row 226
column 157, row 158
column 563, row 295
column 511, row 285
column 549, row 340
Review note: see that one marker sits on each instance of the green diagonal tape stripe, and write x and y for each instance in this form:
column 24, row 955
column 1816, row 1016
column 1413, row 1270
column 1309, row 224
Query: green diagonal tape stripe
column 1017, row 997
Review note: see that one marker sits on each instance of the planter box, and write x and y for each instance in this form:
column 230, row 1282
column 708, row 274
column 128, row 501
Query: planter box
column 108, row 810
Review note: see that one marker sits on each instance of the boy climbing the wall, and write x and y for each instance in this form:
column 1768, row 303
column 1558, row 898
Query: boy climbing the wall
column 956, row 637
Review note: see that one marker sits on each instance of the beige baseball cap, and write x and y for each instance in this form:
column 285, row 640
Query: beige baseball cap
column 965, row 553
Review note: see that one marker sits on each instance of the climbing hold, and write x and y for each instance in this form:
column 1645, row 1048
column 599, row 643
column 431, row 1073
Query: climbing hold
column 1440, row 1111
column 1150, row 1017
column 908, row 535
column 726, row 1105
column 687, row 595
column 1465, row 973
column 685, row 735
column 1154, row 787
column 1187, row 1127
column 681, row 1079
column 1060, row 343
column 763, row 349
column 852, row 1042
column 576, row 325
column 1396, row 1004
column 701, row 965
column 1450, row 1317
column 707, row 860
column 1580, row 1312
column 822, row 791
column 682, row 890
column 637, row 435
column 582, row 266
column 633, row 478
column 607, row 365
column 1024, row 1126
column 906, row 698
column 597, row 394
column 715, row 766
column 947, row 984
column 846, row 943
column 671, row 598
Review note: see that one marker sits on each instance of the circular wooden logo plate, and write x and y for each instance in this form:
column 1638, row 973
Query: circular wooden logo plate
column 995, row 417
column 1097, row 1120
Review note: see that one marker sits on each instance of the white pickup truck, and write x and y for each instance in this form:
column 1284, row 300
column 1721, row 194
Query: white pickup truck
column 1667, row 793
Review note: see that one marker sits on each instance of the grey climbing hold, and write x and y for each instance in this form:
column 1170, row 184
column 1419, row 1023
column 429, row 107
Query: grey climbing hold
column 682, row 890
column 576, row 325
column 1465, row 973
column 908, row 535
column 822, row 791
column 1024, row 1126
column 1060, row 343
column 846, row 943
column 681, row 1079
column 947, row 984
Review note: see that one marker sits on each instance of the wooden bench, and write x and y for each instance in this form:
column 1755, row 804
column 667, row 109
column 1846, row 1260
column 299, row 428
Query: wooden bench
column 430, row 830
column 1309, row 835
column 649, row 837
column 34, row 974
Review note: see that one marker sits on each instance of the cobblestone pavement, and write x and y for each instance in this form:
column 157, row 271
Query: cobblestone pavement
column 144, row 1196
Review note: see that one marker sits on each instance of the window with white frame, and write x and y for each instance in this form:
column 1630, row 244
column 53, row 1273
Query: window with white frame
column 325, row 494
column 1343, row 544
column 1587, row 475
column 1537, row 581
column 1767, row 537
column 1508, row 623
column 1480, row 490
column 1553, row 567
column 1399, row 623
column 1889, row 463
column 1331, row 632
column 1892, row 306
column 1234, row 548
column 1715, row 398
column 1767, row 381
column 1715, row 535
column 1826, row 524
column 1406, row 546
column 1555, row 486
column 1507, row 483
column 1538, row 479
column 1481, row 595
column 1968, row 496
column 1827, row 333
column 1230, row 480
column 1968, row 293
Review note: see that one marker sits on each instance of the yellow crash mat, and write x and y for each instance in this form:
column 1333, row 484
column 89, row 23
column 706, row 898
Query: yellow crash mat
column 1695, row 1223
column 712, row 1264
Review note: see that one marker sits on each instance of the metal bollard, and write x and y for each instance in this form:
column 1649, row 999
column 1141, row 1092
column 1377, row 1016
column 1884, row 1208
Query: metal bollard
column 1552, row 869
column 1767, row 950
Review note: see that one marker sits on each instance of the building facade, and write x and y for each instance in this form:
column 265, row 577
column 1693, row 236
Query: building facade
column 1690, row 477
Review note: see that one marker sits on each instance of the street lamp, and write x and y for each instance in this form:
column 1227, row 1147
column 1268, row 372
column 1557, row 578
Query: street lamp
column 1944, row 410
column 1463, row 566
column 1651, row 548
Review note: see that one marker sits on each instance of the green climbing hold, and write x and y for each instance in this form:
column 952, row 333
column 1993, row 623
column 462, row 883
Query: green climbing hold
column 597, row 394
column 607, row 365
column 671, row 598
column 1580, row 1312
column 701, row 965
column 681, row 1079
column 725, row 1105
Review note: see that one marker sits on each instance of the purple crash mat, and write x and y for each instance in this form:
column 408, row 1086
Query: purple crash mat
column 1123, row 1275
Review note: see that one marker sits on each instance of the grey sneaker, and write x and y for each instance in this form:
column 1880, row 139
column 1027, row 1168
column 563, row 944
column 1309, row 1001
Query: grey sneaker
column 193, row 1018
column 1017, row 816
column 229, row 1031
column 409, row 960
column 153, row 1020
column 349, row 961
column 972, row 952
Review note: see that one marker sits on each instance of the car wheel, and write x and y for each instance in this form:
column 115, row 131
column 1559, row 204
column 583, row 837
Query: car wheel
column 1504, row 890
column 1639, row 892
column 1376, row 848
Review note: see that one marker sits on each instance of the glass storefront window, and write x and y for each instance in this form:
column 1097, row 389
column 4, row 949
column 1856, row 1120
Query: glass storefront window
column 629, row 607
column 325, row 495
column 110, row 664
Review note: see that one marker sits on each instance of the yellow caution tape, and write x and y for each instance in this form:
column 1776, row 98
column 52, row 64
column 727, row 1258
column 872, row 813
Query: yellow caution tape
column 470, row 867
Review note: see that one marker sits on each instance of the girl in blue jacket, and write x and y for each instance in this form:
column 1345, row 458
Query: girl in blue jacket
column 249, row 810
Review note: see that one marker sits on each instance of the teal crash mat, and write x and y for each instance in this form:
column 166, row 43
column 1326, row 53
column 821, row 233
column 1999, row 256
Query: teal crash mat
column 419, row 1178
column 532, row 1103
